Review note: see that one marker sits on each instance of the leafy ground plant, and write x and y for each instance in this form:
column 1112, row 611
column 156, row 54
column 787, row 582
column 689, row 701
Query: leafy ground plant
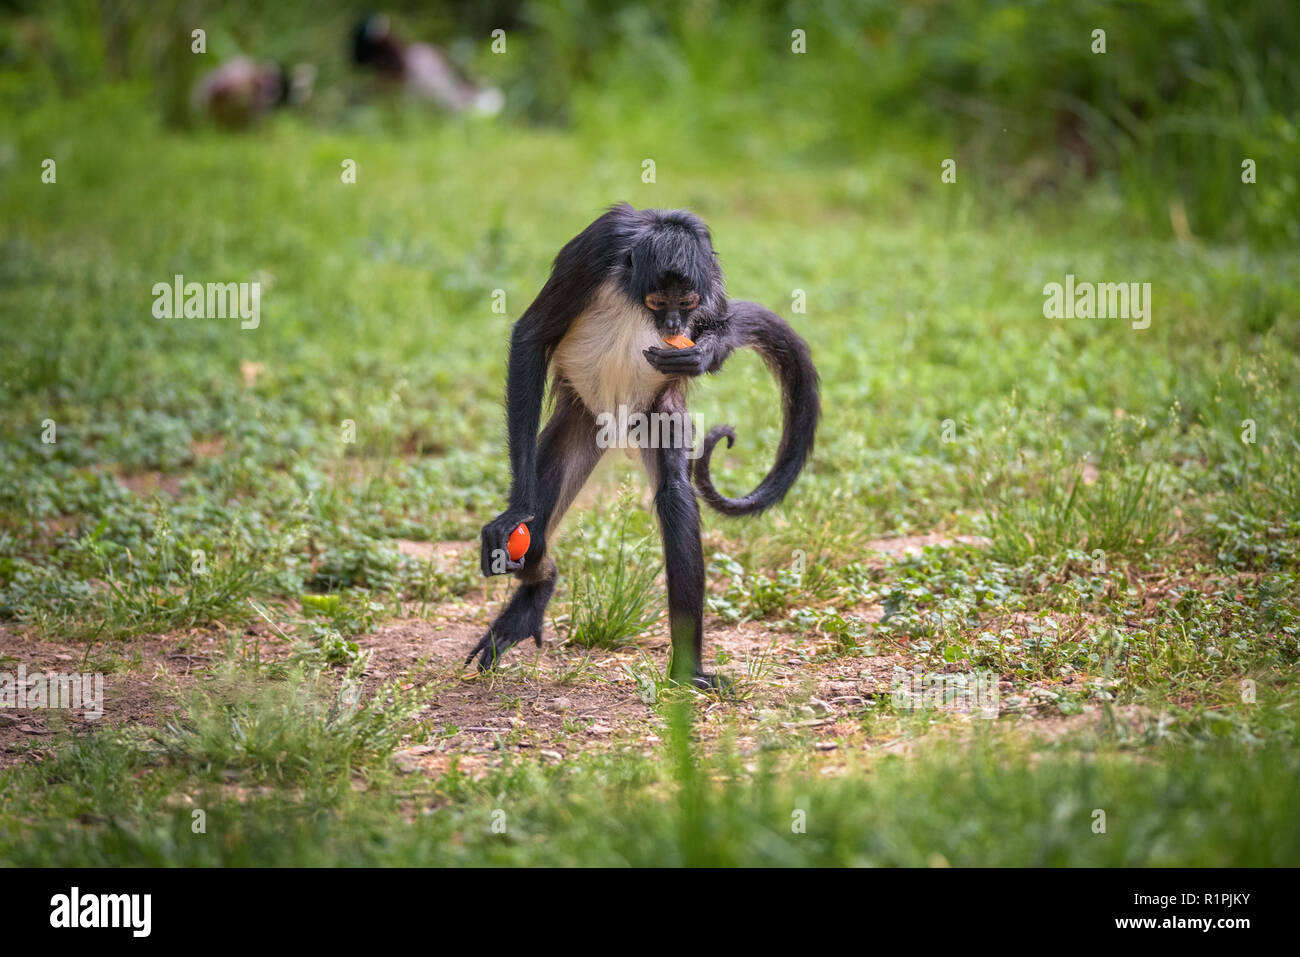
column 613, row 595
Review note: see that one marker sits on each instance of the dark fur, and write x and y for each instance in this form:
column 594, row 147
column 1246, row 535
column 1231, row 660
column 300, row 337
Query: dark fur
column 787, row 355
column 644, row 251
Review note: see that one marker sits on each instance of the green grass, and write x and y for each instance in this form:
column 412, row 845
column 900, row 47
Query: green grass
column 1138, row 488
column 613, row 592
column 285, row 725
column 910, row 326
column 1204, row 801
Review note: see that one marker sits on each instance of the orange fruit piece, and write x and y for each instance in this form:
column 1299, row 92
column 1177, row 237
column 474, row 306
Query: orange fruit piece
column 518, row 542
column 679, row 342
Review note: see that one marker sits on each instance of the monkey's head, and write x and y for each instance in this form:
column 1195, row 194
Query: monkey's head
column 672, row 271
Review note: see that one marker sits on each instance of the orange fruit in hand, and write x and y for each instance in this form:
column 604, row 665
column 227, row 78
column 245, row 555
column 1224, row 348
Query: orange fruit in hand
column 679, row 342
column 517, row 544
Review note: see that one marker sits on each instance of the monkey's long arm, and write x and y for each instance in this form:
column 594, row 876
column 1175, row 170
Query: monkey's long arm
column 787, row 355
column 532, row 340
column 580, row 267
column 525, row 386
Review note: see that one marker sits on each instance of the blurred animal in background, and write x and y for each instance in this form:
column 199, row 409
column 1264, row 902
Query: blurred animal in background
column 420, row 68
column 241, row 91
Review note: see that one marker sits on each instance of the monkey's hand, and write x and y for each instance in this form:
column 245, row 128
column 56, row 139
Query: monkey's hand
column 691, row 361
column 496, row 533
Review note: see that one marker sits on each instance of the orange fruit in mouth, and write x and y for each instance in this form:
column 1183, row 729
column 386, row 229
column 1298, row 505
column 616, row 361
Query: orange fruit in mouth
column 679, row 342
column 517, row 544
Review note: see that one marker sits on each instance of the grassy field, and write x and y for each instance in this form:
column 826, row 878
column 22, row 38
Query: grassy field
column 266, row 538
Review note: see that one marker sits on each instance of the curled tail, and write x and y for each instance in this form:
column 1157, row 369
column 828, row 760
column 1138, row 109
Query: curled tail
column 787, row 355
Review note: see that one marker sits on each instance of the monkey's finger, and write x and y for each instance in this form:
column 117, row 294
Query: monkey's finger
column 491, row 652
column 488, row 658
column 495, row 557
column 657, row 354
column 678, row 361
column 478, row 649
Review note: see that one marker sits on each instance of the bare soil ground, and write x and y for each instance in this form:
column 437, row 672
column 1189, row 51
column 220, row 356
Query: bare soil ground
column 553, row 702
column 141, row 678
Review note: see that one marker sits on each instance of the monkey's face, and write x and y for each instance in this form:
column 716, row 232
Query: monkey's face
column 671, row 271
column 671, row 307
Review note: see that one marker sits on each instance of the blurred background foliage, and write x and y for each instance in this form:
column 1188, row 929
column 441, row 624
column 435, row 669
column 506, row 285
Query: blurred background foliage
column 1185, row 91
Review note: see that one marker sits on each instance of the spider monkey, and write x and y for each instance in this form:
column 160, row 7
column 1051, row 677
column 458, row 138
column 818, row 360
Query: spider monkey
column 616, row 291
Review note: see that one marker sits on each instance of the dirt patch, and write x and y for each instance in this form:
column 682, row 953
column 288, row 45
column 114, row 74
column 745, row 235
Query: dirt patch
column 147, row 484
column 553, row 702
column 210, row 448
column 907, row 546
column 139, row 681
column 802, row 688
column 444, row 555
column 560, row 700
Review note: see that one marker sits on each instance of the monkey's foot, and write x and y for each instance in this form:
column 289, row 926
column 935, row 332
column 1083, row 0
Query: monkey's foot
column 506, row 632
column 707, row 682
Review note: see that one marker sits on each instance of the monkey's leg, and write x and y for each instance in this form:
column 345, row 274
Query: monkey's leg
column 679, row 524
column 566, row 454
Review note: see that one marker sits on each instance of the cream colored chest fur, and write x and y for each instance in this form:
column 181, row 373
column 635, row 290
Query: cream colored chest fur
column 601, row 356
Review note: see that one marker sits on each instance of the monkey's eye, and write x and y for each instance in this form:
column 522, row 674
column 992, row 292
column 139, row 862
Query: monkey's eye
column 690, row 300
column 656, row 302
